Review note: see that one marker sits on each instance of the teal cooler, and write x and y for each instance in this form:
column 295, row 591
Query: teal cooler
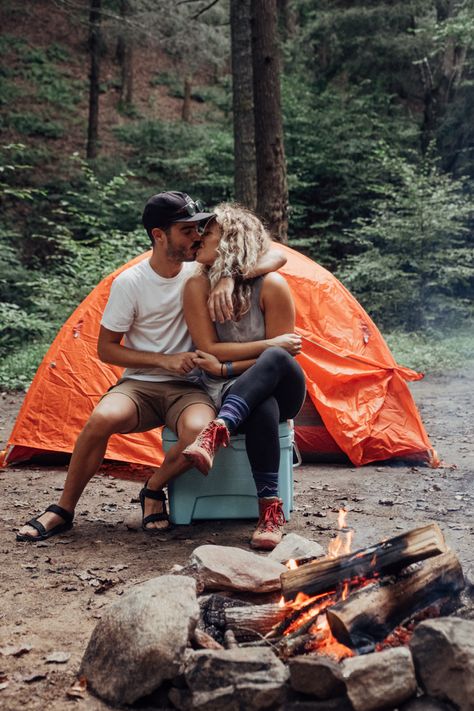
column 228, row 491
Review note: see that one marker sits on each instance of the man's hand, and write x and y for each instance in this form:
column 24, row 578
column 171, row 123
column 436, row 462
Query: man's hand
column 291, row 342
column 179, row 363
column 208, row 363
column 219, row 302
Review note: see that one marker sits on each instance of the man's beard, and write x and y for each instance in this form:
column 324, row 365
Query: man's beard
column 179, row 254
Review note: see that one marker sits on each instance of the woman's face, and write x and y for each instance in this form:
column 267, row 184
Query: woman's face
column 207, row 252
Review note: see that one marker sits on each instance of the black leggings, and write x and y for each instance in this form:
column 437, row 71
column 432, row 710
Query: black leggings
column 274, row 389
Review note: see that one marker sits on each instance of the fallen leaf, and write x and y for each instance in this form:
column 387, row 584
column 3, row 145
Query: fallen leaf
column 3, row 685
column 78, row 689
column 117, row 568
column 104, row 586
column 11, row 651
column 30, row 678
column 57, row 658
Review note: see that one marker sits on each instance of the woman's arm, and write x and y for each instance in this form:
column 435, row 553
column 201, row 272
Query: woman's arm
column 220, row 299
column 204, row 333
column 278, row 306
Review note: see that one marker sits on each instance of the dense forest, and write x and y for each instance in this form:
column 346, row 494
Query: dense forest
column 346, row 125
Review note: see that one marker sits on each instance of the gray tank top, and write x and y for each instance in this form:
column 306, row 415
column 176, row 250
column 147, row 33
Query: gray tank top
column 251, row 327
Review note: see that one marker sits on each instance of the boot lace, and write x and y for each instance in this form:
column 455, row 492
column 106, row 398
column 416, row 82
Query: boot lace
column 273, row 518
column 212, row 437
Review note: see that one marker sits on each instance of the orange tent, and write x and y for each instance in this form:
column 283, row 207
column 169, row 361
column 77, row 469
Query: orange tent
column 353, row 380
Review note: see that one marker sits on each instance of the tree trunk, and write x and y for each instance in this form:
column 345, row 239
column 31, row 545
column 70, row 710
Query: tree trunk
column 245, row 177
column 186, row 110
column 272, row 189
column 94, row 79
column 287, row 15
column 125, row 56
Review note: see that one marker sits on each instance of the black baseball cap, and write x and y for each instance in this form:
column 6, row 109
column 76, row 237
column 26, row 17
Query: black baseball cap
column 166, row 208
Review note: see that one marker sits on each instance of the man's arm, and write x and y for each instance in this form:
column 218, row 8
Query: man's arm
column 110, row 350
column 220, row 299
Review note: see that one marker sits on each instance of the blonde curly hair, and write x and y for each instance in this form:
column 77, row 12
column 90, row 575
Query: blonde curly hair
column 243, row 240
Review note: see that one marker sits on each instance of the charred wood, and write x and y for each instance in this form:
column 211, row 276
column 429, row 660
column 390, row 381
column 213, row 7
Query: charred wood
column 368, row 615
column 389, row 556
column 252, row 622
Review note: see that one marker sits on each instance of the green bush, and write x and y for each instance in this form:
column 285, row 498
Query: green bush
column 416, row 263
column 31, row 124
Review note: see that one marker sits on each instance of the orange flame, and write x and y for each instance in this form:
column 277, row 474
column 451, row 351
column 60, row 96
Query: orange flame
column 281, row 602
column 341, row 545
column 291, row 564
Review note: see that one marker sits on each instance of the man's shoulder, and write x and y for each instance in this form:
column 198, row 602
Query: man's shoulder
column 130, row 274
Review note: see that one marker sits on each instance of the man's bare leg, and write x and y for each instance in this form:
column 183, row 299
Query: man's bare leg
column 191, row 421
column 114, row 413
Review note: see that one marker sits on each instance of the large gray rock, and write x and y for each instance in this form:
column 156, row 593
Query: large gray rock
column 318, row 676
column 229, row 568
column 443, row 651
column 231, row 680
column 425, row 703
column 295, row 546
column 140, row 640
column 380, row 680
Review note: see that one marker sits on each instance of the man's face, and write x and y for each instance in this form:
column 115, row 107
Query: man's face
column 183, row 241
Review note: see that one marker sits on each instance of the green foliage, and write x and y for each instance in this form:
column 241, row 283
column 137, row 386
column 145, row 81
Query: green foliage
column 68, row 246
column 333, row 165
column 17, row 369
column 432, row 352
column 194, row 158
column 28, row 123
column 416, row 267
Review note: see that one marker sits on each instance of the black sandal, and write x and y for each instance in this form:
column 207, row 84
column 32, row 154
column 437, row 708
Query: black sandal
column 159, row 495
column 43, row 533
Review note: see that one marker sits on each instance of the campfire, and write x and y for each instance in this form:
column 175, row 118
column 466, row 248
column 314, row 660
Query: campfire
column 350, row 603
column 346, row 628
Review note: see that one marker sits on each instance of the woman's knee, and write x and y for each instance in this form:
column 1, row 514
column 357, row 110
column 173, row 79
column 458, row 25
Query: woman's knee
column 277, row 357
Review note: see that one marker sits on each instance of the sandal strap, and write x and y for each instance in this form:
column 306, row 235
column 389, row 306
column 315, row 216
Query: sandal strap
column 59, row 511
column 158, row 495
column 34, row 523
column 163, row 516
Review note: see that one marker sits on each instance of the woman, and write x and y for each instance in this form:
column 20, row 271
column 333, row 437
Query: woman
column 248, row 363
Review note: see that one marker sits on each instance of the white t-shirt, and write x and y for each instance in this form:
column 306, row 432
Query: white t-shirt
column 148, row 309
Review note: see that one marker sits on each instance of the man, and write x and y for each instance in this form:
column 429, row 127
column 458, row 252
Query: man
column 143, row 330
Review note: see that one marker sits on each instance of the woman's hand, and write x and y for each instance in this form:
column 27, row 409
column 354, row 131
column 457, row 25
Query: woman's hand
column 208, row 363
column 219, row 302
column 291, row 342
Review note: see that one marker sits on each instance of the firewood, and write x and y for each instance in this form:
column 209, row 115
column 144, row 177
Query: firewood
column 204, row 640
column 368, row 615
column 254, row 621
column 389, row 556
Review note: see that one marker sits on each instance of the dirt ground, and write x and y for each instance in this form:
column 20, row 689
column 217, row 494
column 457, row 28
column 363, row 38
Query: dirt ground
column 52, row 593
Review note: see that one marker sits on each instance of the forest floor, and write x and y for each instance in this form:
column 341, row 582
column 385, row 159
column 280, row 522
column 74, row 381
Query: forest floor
column 52, row 594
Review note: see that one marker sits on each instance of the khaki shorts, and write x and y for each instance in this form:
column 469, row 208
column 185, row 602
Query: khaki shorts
column 160, row 403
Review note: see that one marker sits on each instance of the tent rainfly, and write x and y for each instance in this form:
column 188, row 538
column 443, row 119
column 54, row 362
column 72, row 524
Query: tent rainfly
column 355, row 385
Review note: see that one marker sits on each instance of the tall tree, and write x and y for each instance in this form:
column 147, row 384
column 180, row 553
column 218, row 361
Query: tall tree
column 245, row 177
column 94, row 78
column 124, row 55
column 272, row 187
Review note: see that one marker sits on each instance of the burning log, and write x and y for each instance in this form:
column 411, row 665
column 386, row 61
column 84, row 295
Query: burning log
column 255, row 621
column 368, row 615
column 389, row 556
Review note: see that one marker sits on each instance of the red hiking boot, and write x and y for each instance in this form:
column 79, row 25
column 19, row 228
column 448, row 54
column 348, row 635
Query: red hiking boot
column 269, row 531
column 201, row 452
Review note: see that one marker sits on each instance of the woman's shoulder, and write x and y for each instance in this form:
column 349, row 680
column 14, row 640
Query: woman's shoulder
column 273, row 280
column 197, row 283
